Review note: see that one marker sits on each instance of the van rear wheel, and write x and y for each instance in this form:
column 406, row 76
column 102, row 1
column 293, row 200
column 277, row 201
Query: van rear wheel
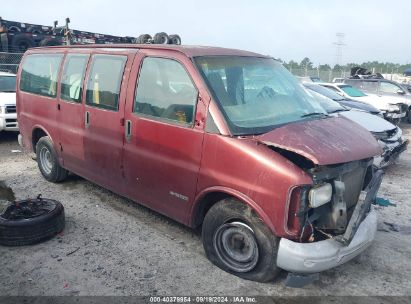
column 236, row 240
column 48, row 162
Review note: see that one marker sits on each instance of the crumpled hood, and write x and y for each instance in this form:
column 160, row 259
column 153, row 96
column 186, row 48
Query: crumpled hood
column 7, row 98
column 327, row 141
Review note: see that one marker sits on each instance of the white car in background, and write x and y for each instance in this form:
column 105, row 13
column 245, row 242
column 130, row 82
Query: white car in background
column 388, row 135
column 392, row 108
column 8, row 115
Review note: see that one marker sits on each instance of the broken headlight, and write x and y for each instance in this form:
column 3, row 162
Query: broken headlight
column 393, row 108
column 320, row 195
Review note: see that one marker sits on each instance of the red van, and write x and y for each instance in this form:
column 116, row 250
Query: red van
column 222, row 138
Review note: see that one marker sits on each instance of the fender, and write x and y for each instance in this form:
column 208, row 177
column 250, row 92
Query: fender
column 234, row 193
column 37, row 126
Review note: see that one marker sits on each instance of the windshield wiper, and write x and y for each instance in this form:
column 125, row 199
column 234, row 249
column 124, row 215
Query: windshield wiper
column 314, row 114
column 337, row 110
column 8, row 91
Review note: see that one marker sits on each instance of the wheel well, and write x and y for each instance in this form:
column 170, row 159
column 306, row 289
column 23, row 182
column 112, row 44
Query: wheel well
column 205, row 204
column 36, row 135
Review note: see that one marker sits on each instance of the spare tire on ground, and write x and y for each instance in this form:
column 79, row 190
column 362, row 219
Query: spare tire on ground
column 30, row 221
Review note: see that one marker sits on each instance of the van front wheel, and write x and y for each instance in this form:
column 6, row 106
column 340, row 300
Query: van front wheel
column 236, row 240
column 47, row 161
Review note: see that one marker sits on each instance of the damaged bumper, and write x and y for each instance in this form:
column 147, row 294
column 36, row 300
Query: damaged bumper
column 392, row 115
column 322, row 255
column 391, row 152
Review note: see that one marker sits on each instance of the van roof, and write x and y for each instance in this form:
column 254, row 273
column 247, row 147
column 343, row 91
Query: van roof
column 188, row 50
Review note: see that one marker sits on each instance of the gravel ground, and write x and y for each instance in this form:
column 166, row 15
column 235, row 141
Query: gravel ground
column 122, row 248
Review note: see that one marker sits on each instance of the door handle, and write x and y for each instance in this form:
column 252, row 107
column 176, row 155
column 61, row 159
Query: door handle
column 87, row 119
column 128, row 130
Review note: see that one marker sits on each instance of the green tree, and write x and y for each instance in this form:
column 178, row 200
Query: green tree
column 324, row 67
column 306, row 64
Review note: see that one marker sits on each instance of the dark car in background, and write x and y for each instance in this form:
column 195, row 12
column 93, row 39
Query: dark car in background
column 342, row 100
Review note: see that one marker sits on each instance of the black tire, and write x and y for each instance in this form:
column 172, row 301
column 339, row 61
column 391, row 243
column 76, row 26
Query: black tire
column 27, row 231
column 142, row 39
column 49, row 42
column 409, row 116
column 13, row 29
column 161, row 38
column 48, row 162
column 231, row 216
column 21, row 43
column 37, row 30
column 174, row 39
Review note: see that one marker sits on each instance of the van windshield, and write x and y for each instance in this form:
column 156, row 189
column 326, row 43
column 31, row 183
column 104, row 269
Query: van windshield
column 8, row 84
column 256, row 94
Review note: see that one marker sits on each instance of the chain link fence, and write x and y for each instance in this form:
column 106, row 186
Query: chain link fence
column 324, row 75
column 9, row 62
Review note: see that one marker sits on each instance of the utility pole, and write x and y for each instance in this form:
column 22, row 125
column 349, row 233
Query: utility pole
column 340, row 44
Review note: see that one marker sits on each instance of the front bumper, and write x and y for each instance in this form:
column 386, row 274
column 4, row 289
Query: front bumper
column 391, row 153
column 8, row 122
column 392, row 115
column 322, row 255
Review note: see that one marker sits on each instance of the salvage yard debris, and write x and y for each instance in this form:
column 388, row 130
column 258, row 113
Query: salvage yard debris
column 383, row 202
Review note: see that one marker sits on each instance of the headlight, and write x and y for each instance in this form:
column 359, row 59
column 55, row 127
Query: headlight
column 320, row 195
column 393, row 108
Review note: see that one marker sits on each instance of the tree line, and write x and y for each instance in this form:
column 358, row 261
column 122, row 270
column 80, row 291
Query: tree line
column 376, row 66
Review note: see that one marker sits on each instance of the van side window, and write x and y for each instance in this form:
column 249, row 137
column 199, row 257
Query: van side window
column 388, row 87
column 165, row 91
column 73, row 76
column 39, row 74
column 104, row 83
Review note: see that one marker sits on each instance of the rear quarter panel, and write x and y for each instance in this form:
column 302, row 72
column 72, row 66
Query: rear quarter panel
column 35, row 111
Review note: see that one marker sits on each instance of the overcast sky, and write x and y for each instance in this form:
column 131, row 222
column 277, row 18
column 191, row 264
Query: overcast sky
column 374, row 29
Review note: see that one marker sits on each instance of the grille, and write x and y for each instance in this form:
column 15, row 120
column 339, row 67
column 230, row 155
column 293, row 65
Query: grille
column 353, row 185
column 10, row 109
column 403, row 107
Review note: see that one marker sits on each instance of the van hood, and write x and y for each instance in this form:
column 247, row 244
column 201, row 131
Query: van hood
column 333, row 140
column 7, row 98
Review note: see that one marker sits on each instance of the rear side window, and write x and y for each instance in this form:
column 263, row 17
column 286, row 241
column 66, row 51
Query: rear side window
column 104, row 83
column 73, row 76
column 39, row 74
column 388, row 87
column 165, row 91
column 368, row 86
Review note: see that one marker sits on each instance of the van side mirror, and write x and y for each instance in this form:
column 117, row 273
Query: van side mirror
column 400, row 92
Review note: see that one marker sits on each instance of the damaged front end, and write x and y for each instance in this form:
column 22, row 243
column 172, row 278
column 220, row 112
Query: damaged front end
column 326, row 215
column 331, row 220
column 392, row 144
column 335, row 216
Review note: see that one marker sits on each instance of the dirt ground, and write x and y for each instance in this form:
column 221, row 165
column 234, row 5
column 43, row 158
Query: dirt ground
column 121, row 248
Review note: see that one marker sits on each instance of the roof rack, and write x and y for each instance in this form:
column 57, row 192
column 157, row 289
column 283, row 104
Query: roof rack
column 17, row 36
